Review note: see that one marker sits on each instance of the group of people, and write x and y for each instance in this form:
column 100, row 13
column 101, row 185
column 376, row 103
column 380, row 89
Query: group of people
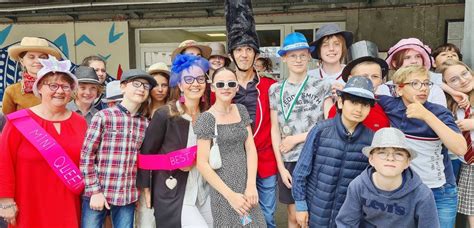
column 357, row 142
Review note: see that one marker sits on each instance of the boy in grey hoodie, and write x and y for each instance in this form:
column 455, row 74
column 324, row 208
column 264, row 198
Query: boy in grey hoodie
column 388, row 193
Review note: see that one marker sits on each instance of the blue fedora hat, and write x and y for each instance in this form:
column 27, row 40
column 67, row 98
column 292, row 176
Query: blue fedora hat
column 294, row 41
column 359, row 86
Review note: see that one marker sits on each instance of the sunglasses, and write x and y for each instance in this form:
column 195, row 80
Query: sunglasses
column 228, row 84
column 190, row 79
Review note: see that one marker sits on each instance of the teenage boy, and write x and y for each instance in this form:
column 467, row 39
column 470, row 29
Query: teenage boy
column 430, row 129
column 296, row 104
column 365, row 62
column 331, row 157
column 388, row 192
column 109, row 154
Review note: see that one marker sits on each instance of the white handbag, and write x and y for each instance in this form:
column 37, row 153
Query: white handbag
column 215, row 160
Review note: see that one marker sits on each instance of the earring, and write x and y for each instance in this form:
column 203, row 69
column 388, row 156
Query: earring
column 181, row 98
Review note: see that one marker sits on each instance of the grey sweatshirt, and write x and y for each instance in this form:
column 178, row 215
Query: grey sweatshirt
column 411, row 205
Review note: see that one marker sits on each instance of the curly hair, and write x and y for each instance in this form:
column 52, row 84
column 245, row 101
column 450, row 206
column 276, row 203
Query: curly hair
column 183, row 62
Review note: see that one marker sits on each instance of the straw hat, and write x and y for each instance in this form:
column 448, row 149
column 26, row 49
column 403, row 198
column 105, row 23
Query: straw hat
column 159, row 67
column 205, row 50
column 32, row 44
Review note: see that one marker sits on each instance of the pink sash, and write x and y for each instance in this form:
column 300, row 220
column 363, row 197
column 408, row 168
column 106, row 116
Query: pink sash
column 51, row 151
column 170, row 161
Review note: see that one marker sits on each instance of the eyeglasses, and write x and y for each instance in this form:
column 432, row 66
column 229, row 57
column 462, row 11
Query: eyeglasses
column 417, row 84
column 137, row 84
column 228, row 84
column 456, row 80
column 397, row 155
column 190, row 79
column 294, row 57
column 55, row 87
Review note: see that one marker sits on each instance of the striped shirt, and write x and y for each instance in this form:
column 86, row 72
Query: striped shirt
column 109, row 154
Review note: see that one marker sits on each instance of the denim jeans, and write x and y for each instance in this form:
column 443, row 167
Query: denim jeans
column 266, row 188
column 456, row 167
column 122, row 216
column 446, row 198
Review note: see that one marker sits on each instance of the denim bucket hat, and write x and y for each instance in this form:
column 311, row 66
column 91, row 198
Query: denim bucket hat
column 328, row 30
column 359, row 86
column 294, row 41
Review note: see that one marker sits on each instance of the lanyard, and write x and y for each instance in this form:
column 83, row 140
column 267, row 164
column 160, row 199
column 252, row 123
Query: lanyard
column 292, row 105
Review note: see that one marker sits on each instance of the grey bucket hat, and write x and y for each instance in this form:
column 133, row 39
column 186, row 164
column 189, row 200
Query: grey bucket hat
column 327, row 30
column 86, row 74
column 136, row 73
column 359, row 86
column 363, row 51
column 389, row 137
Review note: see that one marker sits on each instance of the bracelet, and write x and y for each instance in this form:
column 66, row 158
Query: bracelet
column 6, row 206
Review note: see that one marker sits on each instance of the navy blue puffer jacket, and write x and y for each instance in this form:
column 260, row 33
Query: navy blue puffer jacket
column 331, row 158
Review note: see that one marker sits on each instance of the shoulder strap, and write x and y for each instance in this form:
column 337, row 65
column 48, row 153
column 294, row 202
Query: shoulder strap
column 51, row 151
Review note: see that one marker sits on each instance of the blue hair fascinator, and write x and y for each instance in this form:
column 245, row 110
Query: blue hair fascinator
column 183, row 62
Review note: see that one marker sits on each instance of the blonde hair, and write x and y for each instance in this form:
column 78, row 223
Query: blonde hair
column 451, row 62
column 403, row 73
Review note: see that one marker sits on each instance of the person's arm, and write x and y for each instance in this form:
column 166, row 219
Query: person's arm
column 328, row 103
column 426, row 214
column 8, row 105
column 461, row 98
column 453, row 141
column 252, row 160
column 8, row 157
column 276, row 140
column 351, row 212
column 88, row 164
column 154, row 136
column 303, row 168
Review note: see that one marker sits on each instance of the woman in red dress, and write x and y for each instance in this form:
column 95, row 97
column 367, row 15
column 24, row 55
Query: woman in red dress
column 31, row 193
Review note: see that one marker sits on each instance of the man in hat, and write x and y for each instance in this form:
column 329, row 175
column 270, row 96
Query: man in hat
column 191, row 47
column 297, row 104
column 109, row 154
column 331, row 157
column 364, row 61
column 243, row 45
column 388, row 192
column 88, row 90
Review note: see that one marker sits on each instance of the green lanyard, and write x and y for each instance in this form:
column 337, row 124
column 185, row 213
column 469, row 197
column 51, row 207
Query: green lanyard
column 300, row 90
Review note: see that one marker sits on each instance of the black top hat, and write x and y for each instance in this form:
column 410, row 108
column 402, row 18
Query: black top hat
column 240, row 25
column 136, row 73
column 86, row 74
column 328, row 30
column 363, row 51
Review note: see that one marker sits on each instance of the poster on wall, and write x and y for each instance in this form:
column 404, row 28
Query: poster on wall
column 76, row 40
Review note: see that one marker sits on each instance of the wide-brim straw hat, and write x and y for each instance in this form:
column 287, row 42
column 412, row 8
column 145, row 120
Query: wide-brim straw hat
column 32, row 44
column 205, row 50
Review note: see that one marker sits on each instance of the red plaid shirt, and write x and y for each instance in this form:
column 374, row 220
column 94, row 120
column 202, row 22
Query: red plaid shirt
column 109, row 154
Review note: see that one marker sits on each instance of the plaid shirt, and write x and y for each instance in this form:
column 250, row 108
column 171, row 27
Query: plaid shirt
column 109, row 154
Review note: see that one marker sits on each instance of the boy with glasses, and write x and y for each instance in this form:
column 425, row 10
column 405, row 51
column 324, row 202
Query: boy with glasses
column 109, row 154
column 430, row 130
column 296, row 104
column 388, row 192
